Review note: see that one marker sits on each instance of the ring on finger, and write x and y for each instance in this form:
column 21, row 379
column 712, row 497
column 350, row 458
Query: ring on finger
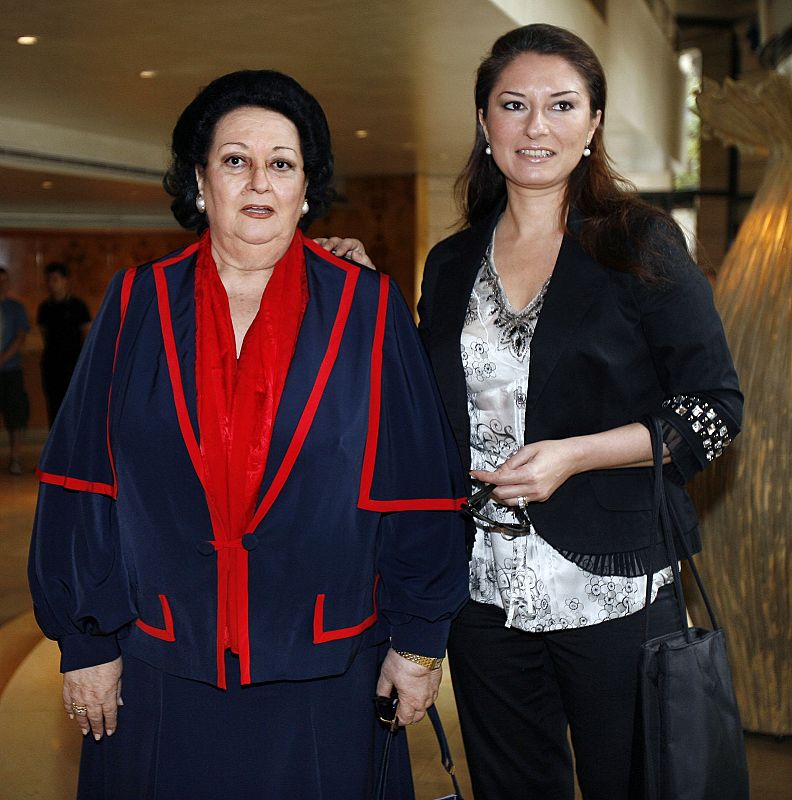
column 79, row 709
column 522, row 502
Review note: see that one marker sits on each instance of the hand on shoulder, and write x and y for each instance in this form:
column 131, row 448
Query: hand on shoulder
column 346, row 248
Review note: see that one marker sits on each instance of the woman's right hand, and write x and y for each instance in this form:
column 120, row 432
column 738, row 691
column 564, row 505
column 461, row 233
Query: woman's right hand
column 346, row 248
column 99, row 690
column 534, row 472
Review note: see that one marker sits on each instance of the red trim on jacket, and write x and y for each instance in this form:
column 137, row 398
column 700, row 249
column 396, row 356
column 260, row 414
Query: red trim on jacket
column 188, row 433
column 167, row 633
column 311, row 406
column 67, row 482
column 320, row 635
column 172, row 359
column 77, row 484
column 365, row 500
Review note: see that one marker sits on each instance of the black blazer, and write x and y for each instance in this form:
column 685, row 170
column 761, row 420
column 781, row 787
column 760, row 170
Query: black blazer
column 609, row 349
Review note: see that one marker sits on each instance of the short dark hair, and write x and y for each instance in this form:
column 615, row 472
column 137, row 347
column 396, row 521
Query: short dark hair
column 192, row 138
column 57, row 266
column 616, row 223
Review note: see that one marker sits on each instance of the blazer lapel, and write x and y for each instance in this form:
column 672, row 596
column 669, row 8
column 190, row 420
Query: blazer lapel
column 576, row 283
column 174, row 280
column 331, row 289
column 455, row 286
column 449, row 306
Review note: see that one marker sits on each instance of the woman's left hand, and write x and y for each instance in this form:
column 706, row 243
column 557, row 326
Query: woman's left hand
column 416, row 686
column 346, row 248
column 534, row 472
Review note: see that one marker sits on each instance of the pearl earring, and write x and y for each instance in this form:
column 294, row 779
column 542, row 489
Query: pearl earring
column 200, row 203
column 305, row 207
column 586, row 151
column 488, row 150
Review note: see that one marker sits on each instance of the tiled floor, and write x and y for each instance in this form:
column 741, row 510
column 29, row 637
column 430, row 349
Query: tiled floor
column 39, row 747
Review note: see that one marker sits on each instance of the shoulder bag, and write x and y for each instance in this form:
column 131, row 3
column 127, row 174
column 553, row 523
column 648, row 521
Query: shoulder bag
column 693, row 743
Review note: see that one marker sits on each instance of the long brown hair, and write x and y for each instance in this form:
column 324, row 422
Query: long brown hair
column 618, row 229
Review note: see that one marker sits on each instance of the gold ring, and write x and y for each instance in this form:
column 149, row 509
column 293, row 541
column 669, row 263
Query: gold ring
column 78, row 709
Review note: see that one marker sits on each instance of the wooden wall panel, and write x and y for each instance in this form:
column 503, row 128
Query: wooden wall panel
column 93, row 258
column 380, row 211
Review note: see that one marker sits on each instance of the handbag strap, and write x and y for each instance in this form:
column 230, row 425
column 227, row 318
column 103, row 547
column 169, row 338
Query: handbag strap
column 445, row 750
column 664, row 515
column 382, row 776
column 445, row 756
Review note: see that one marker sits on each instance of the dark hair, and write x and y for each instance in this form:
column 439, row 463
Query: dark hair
column 192, row 137
column 57, row 266
column 618, row 228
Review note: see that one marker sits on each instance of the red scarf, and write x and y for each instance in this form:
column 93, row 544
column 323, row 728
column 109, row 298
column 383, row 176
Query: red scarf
column 237, row 403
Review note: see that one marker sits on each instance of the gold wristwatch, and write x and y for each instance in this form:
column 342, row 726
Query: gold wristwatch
column 425, row 661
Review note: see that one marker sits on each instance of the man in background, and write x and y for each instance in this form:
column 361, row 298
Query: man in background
column 64, row 320
column 14, row 404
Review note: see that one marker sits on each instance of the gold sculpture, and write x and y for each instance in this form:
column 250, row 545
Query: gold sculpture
column 747, row 496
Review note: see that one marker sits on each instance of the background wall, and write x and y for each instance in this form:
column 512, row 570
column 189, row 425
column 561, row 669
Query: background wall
column 381, row 212
column 92, row 256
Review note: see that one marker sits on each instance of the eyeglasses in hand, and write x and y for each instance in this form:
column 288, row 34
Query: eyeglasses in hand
column 478, row 500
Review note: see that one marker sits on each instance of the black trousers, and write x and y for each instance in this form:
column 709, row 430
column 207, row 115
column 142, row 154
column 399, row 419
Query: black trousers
column 517, row 692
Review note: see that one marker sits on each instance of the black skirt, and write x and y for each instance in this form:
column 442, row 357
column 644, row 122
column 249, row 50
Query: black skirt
column 185, row 740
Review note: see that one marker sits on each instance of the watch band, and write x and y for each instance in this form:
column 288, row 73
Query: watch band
column 425, row 661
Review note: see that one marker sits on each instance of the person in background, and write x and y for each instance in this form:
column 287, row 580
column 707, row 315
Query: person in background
column 564, row 312
column 64, row 321
column 249, row 500
column 14, row 403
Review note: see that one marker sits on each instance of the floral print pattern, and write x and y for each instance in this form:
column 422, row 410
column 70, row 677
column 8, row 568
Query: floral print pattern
column 538, row 588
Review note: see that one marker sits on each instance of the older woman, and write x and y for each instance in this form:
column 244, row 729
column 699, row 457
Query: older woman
column 234, row 516
column 565, row 312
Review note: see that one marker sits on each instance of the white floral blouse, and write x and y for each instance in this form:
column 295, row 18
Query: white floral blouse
column 539, row 589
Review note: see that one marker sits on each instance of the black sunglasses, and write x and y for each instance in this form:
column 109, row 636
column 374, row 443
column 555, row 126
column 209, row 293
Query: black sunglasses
column 386, row 710
column 478, row 499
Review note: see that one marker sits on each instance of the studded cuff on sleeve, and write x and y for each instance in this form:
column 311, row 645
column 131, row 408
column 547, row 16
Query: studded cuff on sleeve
column 705, row 432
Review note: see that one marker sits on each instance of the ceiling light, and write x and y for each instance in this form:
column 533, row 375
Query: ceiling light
column 47, row 184
column 27, row 39
column 148, row 73
column 361, row 134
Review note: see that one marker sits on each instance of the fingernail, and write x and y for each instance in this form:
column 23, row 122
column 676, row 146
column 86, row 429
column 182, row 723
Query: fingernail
column 84, row 732
column 71, row 716
column 110, row 731
column 97, row 736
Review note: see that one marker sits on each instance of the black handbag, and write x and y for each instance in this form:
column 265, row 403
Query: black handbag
column 693, row 743
column 445, row 757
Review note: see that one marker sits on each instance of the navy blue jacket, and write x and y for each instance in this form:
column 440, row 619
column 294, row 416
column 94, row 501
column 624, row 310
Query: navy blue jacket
column 355, row 537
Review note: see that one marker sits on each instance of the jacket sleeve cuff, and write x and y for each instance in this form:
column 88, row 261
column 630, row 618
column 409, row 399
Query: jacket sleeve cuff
column 703, row 432
column 421, row 637
column 80, row 650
